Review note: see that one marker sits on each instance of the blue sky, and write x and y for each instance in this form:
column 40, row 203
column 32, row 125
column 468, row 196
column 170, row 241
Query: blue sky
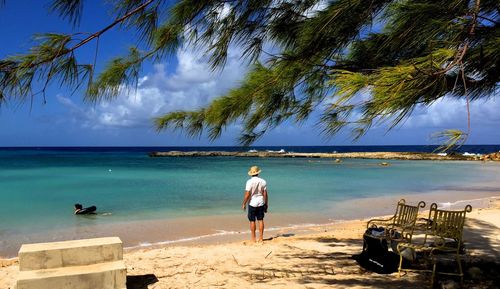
column 182, row 82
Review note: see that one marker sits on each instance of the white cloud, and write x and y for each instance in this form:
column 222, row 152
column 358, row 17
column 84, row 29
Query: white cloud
column 190, row 86
column 450, row 112
column 446, row 113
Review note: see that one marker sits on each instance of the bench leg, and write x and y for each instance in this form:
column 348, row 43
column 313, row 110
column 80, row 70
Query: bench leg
column 460, row 271
column 400, row 265
column 434, row 265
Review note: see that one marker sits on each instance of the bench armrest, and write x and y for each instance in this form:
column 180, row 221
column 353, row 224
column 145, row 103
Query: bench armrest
column 374, row 222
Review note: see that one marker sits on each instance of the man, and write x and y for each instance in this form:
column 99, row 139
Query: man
column 256, row 197
column 80, row 210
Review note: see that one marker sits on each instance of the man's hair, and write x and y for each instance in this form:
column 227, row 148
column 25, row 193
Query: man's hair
column 78, row 206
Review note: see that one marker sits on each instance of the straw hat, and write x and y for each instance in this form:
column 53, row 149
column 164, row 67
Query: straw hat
column 254, row 171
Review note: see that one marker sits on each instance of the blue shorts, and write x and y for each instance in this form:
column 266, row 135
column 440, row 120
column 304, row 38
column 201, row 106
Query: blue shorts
column 255, row 213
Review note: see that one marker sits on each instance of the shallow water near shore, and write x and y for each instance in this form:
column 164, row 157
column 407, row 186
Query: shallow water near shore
column 184, row 198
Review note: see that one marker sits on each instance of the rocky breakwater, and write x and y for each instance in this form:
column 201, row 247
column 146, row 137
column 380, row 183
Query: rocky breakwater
column 491, row 157
column 357, row 155
column 262, row 154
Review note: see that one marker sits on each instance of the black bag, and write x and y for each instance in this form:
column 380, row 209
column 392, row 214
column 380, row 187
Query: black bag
column 375, row 256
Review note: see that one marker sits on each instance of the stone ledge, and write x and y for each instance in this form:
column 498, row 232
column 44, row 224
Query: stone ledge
column 110, row 275
column 70, row 253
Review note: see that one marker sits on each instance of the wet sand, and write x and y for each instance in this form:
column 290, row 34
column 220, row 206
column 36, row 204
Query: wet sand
column 226, row 228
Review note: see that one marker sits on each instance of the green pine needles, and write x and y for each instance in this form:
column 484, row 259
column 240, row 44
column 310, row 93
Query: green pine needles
column 358, row 62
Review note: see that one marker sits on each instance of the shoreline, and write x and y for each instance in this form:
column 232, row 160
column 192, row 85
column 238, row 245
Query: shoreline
column 333, row 155
column 212, row 228
column 225, row 237
column 320, row 257
column 229, row 228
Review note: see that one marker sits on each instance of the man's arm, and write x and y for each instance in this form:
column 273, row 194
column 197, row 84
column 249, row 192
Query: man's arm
column 266, row 199
column 245, row 200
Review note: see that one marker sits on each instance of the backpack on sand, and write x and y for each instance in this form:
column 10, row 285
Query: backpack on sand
column 376, row 256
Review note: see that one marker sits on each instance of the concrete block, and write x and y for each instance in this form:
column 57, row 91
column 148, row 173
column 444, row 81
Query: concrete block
column 110, row 275
column 70, row 253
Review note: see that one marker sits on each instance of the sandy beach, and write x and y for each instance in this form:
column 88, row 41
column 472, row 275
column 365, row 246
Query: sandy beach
column 300, row 257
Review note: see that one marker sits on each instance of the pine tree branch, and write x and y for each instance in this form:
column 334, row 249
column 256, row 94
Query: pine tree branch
column 471, row 34
column 462, row 51
column 93, row 36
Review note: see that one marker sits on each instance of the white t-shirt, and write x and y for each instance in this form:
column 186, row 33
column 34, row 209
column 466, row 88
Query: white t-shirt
column 256, row 187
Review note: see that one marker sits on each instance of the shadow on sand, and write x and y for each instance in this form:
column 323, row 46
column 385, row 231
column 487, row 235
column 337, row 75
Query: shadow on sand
column 475, row 237
column 339, row 270
column 312, row 267
column 141, row 281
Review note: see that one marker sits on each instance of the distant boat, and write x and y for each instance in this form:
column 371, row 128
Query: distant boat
column 252, row 151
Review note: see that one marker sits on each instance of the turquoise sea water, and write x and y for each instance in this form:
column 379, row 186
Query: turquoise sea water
column 38, row 188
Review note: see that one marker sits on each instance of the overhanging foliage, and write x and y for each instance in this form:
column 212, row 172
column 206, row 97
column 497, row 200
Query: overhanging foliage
column 357, row 61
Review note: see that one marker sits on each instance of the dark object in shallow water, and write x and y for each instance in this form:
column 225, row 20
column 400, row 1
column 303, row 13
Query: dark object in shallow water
column 84, row 211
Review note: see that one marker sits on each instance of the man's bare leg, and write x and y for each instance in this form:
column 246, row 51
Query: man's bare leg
column 261, row 231
column 252, row 230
